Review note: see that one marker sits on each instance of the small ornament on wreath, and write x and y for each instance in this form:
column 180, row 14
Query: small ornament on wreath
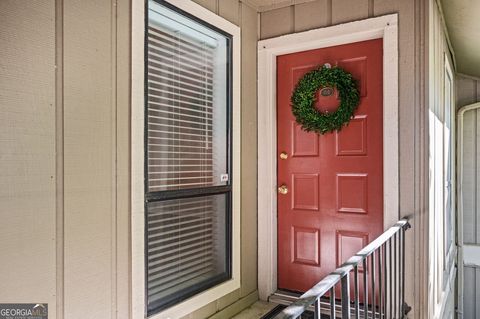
column 303, row 100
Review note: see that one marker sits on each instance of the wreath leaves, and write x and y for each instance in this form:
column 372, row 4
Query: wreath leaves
column 303, row 100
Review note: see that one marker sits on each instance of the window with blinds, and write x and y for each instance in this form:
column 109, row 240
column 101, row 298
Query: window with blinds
column 187, row 178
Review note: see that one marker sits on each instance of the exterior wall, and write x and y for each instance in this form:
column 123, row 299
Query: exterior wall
column 65, row 173
column 64, row 179
column 412, row 114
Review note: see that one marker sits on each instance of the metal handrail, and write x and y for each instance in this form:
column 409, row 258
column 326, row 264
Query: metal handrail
column 340, row 275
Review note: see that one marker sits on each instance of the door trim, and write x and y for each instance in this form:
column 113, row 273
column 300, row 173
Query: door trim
column 459, row 236
column 385, row 27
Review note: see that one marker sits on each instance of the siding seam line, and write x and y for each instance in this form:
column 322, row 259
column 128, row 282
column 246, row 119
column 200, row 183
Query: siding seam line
column 113, row 121
column 59, row 162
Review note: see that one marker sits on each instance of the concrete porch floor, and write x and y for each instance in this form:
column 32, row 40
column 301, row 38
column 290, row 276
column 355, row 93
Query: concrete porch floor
column 256, row 311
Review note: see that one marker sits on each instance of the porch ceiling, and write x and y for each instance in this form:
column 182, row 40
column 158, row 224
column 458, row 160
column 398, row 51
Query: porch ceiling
column 463, row 24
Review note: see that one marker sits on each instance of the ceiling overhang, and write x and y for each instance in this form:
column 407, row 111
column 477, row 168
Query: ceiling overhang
column 265, row 5
column 462, row 18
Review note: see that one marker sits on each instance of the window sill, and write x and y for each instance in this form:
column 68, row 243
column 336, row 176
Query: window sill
column 196, row 302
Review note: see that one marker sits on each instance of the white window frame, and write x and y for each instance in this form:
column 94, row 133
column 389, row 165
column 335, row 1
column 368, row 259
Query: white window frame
column 137, row 165
column 450, row 252
column 384, row 27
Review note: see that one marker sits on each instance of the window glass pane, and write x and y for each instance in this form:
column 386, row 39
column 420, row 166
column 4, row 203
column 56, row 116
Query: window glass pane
column 186, row 246
column 187, row 71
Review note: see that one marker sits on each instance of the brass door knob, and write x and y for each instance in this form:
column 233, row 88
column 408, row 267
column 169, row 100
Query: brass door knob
column 283, row 189
column 283, row 155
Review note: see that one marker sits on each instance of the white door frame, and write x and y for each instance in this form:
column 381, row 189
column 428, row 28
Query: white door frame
column 471, row 257
column 385, row 27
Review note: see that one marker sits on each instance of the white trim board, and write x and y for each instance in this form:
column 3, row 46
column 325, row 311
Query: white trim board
column 385, row 27
column 462, row 248
column 137, row 161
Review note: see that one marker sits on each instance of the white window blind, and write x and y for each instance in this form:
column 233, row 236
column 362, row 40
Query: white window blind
column 187, row 153
column 186, row 107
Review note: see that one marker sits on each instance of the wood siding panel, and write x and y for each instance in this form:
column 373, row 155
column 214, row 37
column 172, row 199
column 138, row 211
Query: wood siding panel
column 27, row 143
column 229, row 9
column 209, row 4
column 276, row 22
column 249, row 151
column 381, row 7
column 311, row 15
column 346, row 10
column 121, row 181
column 88, row 158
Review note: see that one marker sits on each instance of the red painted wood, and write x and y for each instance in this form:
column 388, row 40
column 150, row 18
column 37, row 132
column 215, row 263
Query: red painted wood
column 334, row 206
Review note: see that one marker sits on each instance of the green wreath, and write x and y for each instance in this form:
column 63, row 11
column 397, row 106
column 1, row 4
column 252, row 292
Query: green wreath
column 303, row 100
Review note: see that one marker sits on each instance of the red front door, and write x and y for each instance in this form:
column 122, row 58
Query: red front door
column 334, row 203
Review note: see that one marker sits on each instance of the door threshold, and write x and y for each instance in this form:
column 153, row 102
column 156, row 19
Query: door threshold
column 284, row 297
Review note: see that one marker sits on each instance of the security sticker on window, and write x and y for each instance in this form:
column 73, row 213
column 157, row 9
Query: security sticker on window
column 23, row 311
column 224, row 178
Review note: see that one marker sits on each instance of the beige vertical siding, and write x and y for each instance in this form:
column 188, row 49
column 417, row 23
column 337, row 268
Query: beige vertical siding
column 27, row 152
column 412, row 119
column 65, row 140
column 121, row 80
column 64, row 105
column 96, row 148
column 88, row 157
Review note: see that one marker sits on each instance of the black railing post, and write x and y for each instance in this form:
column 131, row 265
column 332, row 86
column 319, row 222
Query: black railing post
column 390, row 308
column 395, row 276
column 357, row 293
column 380, row 288
column 385, row 296
column 332, row 303
column 401, row 274
column 373, row 286
column 404, row 310
column 345, row 284
column 317, row 311
column 365, row 289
